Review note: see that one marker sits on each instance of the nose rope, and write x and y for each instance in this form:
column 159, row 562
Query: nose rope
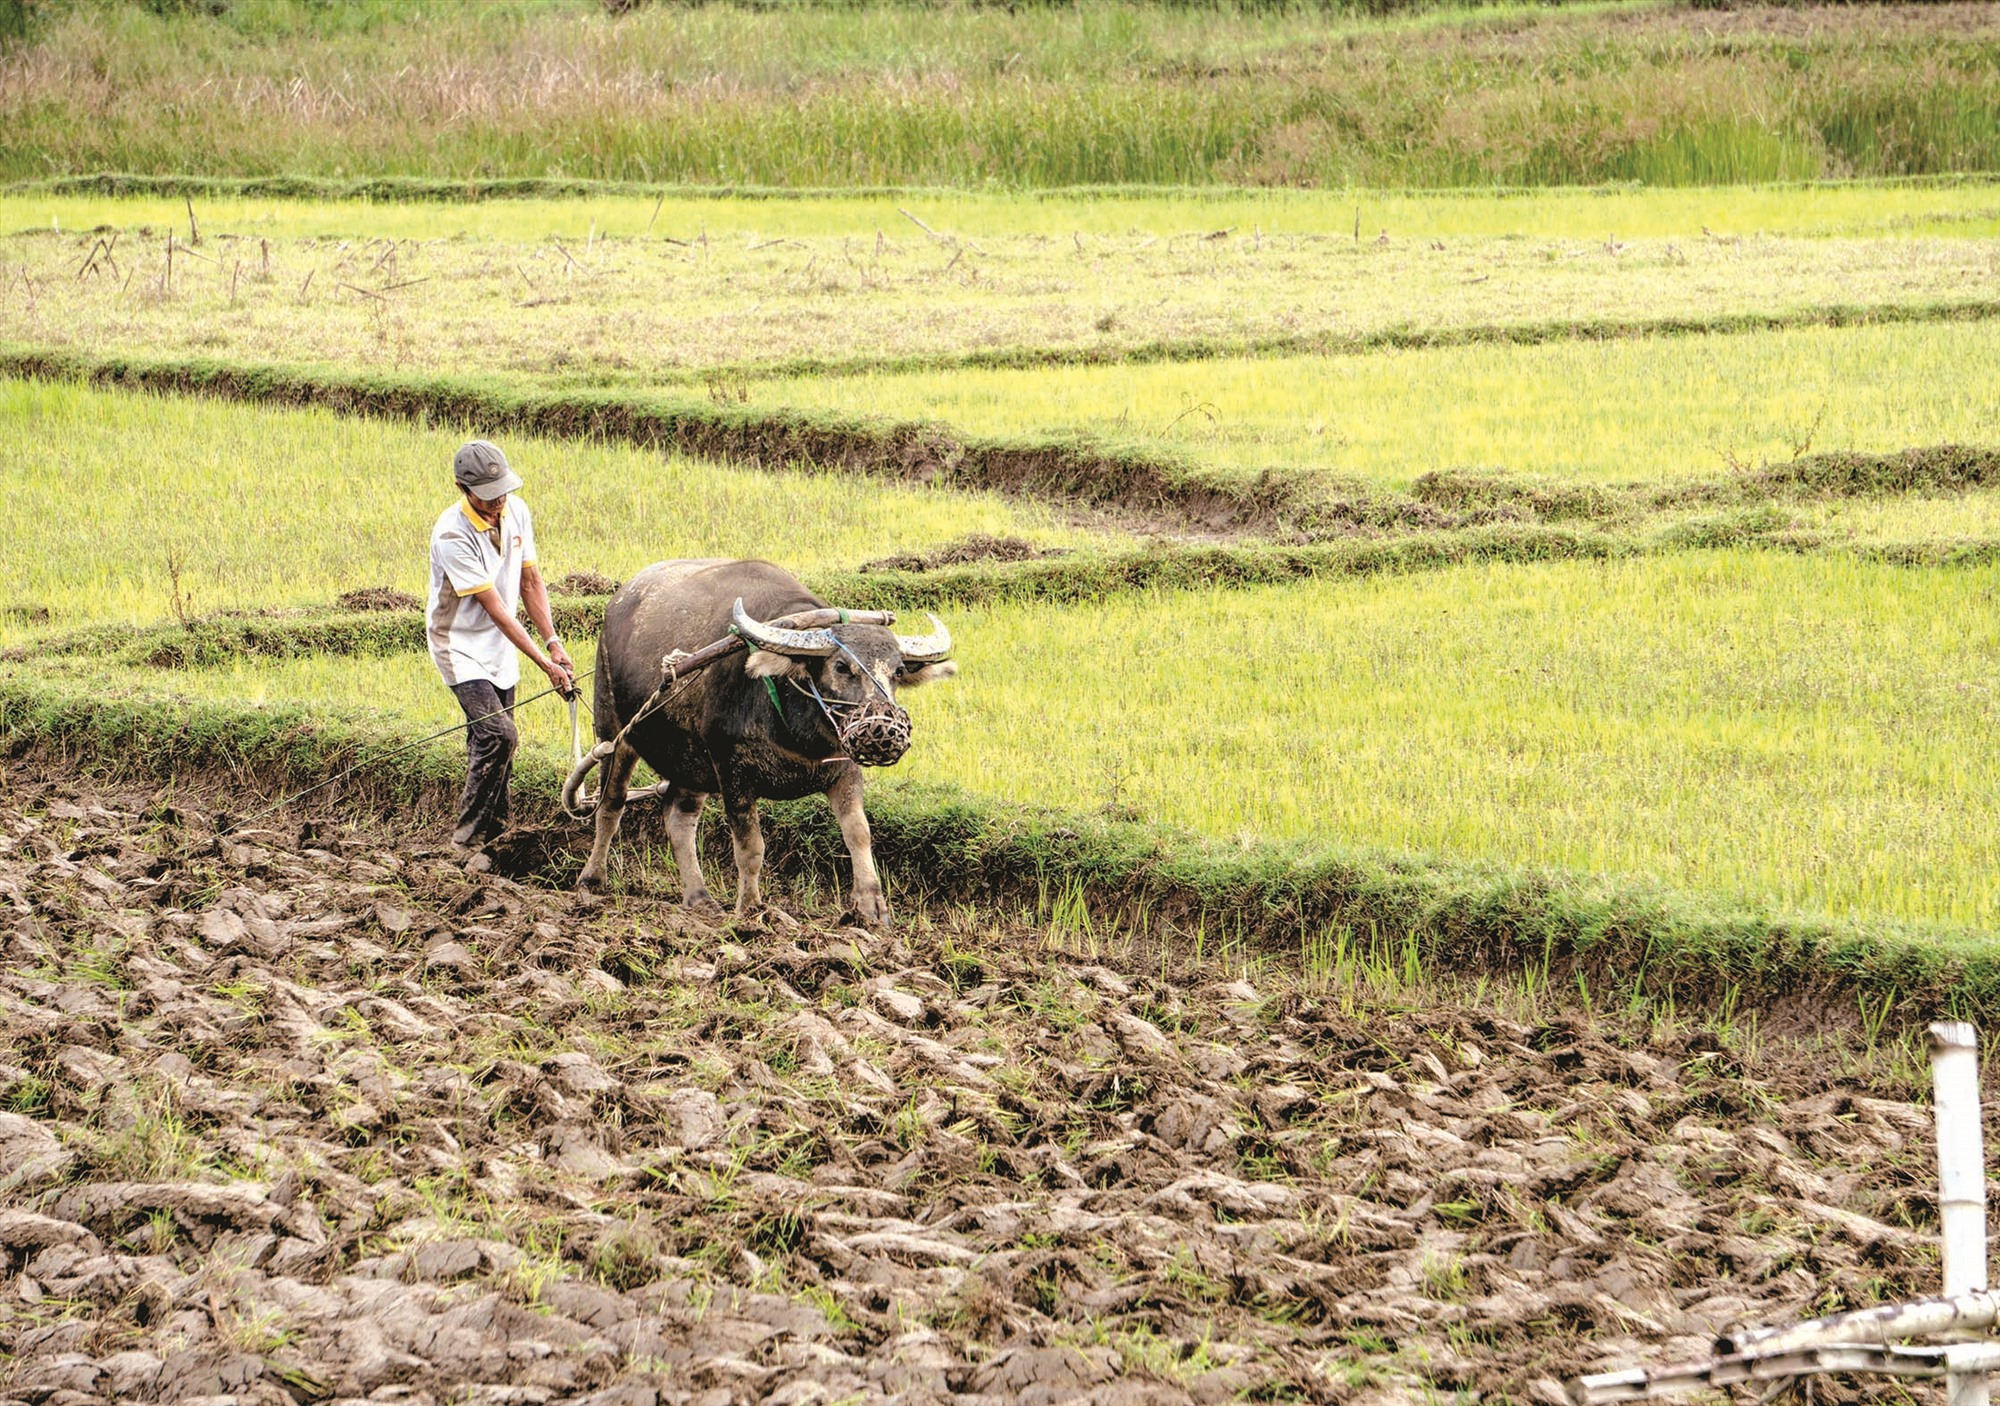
column 873, row 734
column 864, row 670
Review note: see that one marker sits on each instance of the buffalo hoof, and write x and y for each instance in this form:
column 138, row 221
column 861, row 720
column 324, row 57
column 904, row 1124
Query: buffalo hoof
column 703, row 904
column 590, row 883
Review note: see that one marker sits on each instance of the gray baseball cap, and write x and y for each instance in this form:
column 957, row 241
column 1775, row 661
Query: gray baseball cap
column 481, row 470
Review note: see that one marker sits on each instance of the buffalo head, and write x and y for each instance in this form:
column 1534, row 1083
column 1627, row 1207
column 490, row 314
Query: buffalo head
column 851, row 672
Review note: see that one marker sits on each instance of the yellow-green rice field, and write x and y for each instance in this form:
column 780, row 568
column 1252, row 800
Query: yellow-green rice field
column 1619, row 411
column 755, row 286
column 1808, row 734
column 110, row 497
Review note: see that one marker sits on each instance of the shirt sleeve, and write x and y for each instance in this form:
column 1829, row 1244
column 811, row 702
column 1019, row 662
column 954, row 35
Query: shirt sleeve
column 527, row 534
column 462, row 565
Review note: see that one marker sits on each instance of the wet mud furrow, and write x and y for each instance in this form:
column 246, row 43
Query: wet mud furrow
column 308, row 1114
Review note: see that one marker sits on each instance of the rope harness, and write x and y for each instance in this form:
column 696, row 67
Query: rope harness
column 871, row 731
column 430, row 737
column 874, row 731
column 576, row 803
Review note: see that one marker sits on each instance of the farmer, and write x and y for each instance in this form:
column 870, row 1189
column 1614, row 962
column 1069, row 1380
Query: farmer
column 482, row 569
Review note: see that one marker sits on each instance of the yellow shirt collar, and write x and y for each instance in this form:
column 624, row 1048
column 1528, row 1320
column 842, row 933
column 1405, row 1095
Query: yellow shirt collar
column 475, row 519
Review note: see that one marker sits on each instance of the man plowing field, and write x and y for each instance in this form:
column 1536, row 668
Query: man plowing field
column 482, row 570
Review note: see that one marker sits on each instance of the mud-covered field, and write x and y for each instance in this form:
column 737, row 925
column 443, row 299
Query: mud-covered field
column 305, row 1112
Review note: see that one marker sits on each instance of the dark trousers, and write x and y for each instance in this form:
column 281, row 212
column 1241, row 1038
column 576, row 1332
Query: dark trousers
column 490, row 741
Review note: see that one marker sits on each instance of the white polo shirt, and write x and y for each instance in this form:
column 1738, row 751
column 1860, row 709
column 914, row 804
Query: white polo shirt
column 465, row 642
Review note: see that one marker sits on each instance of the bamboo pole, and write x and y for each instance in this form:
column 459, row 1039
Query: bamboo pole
column 1961, row 1180
column 1648, row 1384
column 1922, row 1319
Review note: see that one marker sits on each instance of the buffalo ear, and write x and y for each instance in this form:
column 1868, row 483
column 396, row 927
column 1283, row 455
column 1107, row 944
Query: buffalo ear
column 917, row 677
column 767, row 664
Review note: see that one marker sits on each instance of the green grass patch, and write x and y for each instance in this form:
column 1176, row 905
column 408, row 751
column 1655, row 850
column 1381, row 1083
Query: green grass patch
column 1805, row 733
column 140, row 508
column 1095, row 93
column 1649, row 408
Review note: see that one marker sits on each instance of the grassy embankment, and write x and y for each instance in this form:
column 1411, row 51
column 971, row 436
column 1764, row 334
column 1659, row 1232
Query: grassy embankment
column 1100, row 93
column 1802, row 735
column 1099, row 884
column 722, row 291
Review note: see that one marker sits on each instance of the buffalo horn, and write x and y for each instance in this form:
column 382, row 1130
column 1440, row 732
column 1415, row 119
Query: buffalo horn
column 922, row 649
column 776, row 638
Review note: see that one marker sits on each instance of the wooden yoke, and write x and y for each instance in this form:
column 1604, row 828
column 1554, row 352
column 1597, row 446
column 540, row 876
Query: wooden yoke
column 681, row 663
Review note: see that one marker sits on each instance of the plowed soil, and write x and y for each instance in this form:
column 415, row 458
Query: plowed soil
column 309, row 1113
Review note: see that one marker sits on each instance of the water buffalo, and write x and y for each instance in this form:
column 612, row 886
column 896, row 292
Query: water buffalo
column 791, row 718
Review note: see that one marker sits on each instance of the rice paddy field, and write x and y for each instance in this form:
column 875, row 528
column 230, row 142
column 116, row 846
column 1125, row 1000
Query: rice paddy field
column 695, row 291
column 1646, row 409
column 1790, row 724
column 1472, row 537
column 119, row 500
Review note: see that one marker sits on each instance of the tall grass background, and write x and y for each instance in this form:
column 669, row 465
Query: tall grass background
column 1102, row 91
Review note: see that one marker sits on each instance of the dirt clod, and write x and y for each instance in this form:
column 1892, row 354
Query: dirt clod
column 975, row 547
column 583, row 583
column 286, row 1124
column 379, row 598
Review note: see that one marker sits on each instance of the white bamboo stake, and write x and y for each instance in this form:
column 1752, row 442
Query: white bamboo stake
column 1925, row 1318
column 1961, row 1181
column 1650, row 1384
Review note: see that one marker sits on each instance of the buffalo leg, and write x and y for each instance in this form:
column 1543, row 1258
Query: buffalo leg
column 614, row 780
column 683, row 819
column 845, row 796
column 747, row 834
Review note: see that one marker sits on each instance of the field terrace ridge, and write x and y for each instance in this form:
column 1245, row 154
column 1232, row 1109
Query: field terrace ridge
column 1130, row 488
column 939, row 846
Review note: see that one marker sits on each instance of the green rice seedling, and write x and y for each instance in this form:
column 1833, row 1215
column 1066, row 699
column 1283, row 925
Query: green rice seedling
column 113, row 496
column 152, row 1139
column 775, row 288
column 1071, row 927
column 1875, row 1012
column 1652, row 408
